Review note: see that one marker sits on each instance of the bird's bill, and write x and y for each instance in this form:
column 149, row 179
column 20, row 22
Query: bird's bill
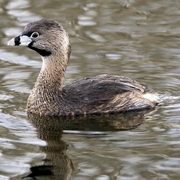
column 21, row 40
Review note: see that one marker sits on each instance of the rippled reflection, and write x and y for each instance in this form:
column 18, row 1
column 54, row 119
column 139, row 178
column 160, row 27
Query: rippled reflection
column 138, row 39
column 56, row 164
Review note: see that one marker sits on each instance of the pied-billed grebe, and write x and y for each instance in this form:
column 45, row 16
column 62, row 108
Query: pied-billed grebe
column 94, row 95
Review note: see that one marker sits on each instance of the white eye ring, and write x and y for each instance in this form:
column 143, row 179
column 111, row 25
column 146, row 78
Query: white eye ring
column 34, row 35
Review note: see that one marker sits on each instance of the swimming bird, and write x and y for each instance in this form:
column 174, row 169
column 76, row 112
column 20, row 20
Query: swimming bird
column 92, row 95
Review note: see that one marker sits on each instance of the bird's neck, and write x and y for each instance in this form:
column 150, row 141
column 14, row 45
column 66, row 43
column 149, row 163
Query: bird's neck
column 52, row 72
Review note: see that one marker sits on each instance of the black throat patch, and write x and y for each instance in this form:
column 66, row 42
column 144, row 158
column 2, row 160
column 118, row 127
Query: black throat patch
column 42, row 52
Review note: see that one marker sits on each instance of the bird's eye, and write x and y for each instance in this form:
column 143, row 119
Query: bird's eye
column 35, row 35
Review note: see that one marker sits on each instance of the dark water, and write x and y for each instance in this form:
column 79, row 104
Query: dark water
column 139, row 39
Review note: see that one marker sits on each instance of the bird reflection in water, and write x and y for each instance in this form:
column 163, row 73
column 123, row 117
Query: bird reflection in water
column 57, row 165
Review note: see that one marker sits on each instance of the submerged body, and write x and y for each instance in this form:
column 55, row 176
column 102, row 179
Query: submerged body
column 95, row 95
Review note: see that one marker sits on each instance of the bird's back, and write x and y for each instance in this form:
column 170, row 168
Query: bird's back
column 107, row 94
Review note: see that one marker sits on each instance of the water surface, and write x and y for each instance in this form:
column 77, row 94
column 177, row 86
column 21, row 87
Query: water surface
column 138, row 39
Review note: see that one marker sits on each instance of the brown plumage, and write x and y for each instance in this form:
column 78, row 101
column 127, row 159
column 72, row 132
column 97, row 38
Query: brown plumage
column 95, row 95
